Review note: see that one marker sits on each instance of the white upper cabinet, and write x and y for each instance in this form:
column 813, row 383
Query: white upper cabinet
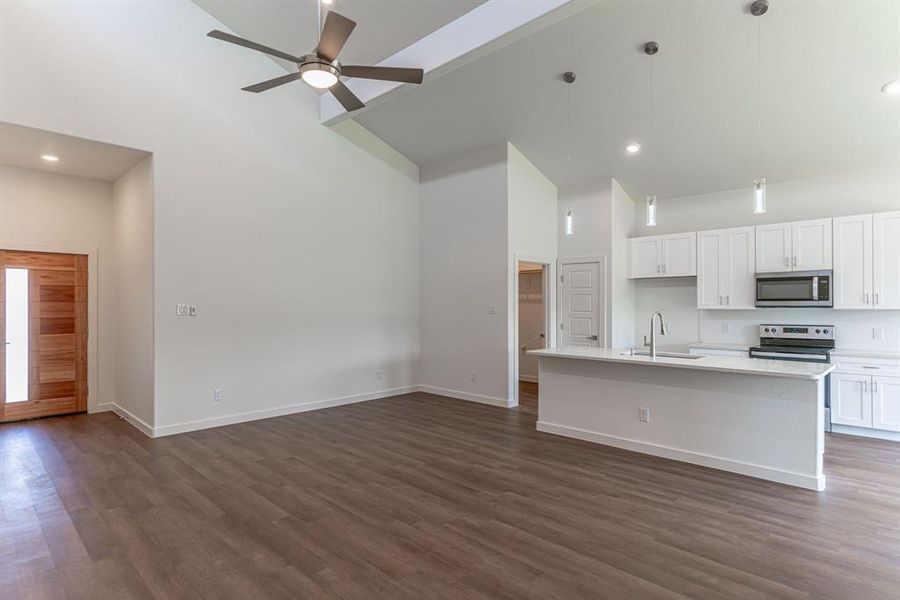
column 679, row 255
column 663, row 256
column 773, row 248
column 726, row 273
column 798, row 246
column 811, row 245
column 886, row 260
column 853, row 248
column 646, row 257
column 867, row 261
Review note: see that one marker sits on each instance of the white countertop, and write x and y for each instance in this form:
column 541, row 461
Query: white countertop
column 720, row 346
column 848, row 352
column 728, row 364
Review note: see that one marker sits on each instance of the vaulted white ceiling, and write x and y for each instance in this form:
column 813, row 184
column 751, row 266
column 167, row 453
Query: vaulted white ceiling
column 708, row 124
column 383, row 26
column 790, row 95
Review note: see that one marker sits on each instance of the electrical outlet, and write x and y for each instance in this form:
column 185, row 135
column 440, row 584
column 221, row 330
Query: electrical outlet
column 186, row 310
column 878, row 333
column 726, row 327
column 379, row 375
column 473, row 376
column 644, row 415
column 218, row 394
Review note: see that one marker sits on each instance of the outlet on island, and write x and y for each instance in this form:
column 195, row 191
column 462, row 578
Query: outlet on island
column 644, row 415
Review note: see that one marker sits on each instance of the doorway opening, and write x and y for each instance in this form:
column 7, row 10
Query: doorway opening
column 533, row 330
column 44, row 322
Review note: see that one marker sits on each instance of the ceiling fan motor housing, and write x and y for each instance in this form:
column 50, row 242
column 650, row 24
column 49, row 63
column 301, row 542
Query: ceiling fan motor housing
column 311, row 62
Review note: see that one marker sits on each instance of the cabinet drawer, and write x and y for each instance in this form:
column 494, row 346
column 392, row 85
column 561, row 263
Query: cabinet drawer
column 862, row 366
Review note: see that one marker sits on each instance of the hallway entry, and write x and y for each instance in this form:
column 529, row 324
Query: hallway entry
column 44, row 327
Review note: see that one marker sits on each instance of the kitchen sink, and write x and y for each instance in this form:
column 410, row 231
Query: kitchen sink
column 683, row 355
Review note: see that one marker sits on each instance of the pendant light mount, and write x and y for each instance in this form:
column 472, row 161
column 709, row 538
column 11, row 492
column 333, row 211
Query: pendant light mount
column 651, row 48
column 569, row 77
column 759, row 8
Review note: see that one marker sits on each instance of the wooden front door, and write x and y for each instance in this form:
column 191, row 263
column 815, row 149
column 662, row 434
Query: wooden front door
column 43, row 324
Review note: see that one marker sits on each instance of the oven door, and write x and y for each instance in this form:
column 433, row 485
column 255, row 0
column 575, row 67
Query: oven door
column 805, row 288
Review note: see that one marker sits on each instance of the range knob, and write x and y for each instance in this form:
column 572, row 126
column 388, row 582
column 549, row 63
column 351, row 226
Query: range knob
column 774, row 330
column 826, row 331
column 820, row 331
column 767, row 330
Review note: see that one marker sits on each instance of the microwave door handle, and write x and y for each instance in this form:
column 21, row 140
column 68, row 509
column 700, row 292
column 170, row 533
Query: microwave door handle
column 815, row 288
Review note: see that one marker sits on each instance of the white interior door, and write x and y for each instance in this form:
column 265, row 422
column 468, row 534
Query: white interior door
column 811, row 245
column 886, row 260
column 581, row 306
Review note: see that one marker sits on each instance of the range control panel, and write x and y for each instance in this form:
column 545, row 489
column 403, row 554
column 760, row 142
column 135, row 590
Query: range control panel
column 806, row 332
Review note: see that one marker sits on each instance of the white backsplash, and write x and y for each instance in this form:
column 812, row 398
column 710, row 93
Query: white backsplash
column 677, row 299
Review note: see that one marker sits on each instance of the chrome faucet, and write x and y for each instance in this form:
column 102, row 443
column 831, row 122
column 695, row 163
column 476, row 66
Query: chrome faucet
column 662, row 331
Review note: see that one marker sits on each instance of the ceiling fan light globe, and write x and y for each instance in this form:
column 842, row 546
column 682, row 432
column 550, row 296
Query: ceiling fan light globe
column 319, row 79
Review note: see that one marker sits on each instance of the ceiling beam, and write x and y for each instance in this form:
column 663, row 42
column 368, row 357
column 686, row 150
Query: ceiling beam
column 488, row 27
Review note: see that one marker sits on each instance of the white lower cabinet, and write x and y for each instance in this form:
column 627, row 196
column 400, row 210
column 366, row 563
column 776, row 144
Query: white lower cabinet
column 886, row 403
column 866, row 394
column 851, row 400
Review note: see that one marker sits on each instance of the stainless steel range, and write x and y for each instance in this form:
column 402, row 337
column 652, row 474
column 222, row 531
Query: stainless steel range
column 805, row 343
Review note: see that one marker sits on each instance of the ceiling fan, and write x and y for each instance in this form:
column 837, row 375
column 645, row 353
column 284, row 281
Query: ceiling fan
column 321, row 69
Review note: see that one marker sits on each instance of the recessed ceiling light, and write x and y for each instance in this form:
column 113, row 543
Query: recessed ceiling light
column 327, row 1
column 891, row 87
column 49, row 158
column 633, row 148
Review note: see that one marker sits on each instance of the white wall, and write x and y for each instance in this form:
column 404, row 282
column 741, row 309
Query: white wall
column 874, row 190
column 45, row 211
column 591, row 206
column 263, row 218
column 133, row 245
column 464, row 262
column 532, row 202
column 622, row 299
column 868, row 191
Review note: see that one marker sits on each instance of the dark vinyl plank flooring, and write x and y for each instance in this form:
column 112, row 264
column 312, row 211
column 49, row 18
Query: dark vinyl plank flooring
column 421, row 496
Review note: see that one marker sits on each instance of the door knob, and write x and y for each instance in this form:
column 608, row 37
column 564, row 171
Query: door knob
column 591, row 337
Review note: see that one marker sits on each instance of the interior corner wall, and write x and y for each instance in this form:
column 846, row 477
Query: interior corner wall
column 299, row 249
column 133, row 255
column 591, row 206
column 621, row 288
column 532, row 206
column 51, row 212
column 464, row 248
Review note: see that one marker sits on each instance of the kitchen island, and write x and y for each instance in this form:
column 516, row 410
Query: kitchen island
column 762, row 418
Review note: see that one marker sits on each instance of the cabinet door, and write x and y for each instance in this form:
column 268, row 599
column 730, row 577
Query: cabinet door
column 811, row 245
column 646, row 257
column 886, row 403
column 773, row 248
column 852, row 286
column 851, row 400
column 679, row 253
column 886, row 260
column 711, row 265
column 739, row 280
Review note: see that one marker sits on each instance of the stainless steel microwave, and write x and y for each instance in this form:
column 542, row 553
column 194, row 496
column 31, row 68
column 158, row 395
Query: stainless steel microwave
column 797, row 288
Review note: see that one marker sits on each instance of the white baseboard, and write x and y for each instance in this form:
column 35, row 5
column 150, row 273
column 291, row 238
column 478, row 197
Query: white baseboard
column 139, row 424
column 280, row 411
column 878, row 434
column 481, row 399
column 810, row 482
column 528, row 378
column 105, row 407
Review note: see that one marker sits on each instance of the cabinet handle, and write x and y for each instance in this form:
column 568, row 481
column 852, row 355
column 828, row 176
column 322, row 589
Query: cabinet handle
column 727, row 300
column 720, row 300
column 664, row 268
column 874, row 387
column 867, row 298
column 876, row 297
column 795, row 261
column 787, row 261
column 865, row 386
column 658, row 269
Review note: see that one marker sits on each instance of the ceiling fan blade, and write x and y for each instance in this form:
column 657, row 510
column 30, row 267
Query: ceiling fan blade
column 269, row 84
column 384, row 73
column 347, row 98
column 335, row 32
column 227, row 37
